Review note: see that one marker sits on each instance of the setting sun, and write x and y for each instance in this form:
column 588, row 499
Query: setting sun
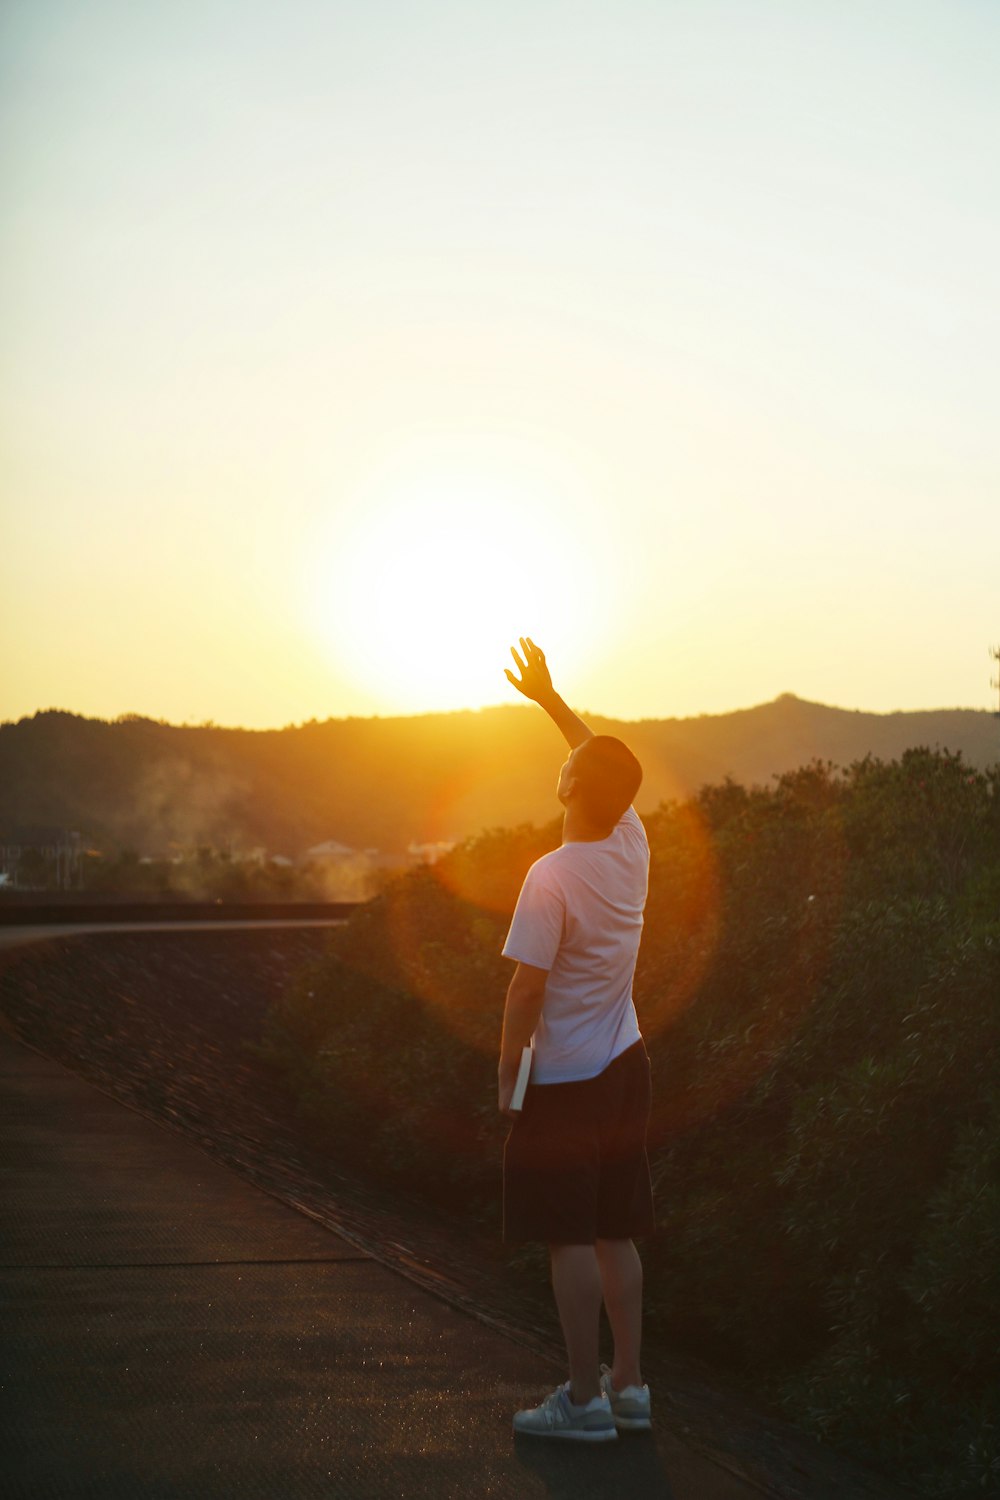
column 442, row 562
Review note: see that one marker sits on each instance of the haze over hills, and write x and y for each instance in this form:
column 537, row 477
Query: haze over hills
column 384, row 783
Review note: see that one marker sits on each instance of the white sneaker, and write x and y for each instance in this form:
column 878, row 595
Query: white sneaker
column 630, row 1407
column 558, row 1417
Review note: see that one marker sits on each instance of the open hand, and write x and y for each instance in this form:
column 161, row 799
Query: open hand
column 534, row 682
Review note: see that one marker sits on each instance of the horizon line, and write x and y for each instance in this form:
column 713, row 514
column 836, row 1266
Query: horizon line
column 132, row 716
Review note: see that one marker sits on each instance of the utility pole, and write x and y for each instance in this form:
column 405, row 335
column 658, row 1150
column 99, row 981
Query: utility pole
column 995, row 681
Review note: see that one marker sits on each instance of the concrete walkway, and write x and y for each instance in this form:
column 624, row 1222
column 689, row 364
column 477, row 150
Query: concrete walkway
column 169, row 1330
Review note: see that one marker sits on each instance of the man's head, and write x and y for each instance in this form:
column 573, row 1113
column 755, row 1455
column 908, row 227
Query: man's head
column 601, row 776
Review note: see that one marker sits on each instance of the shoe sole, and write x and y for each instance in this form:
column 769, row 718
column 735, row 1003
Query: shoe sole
column 633, row 1424
column 595, row 1435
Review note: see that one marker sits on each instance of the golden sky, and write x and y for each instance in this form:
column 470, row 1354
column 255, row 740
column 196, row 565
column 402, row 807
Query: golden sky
column 344, row 343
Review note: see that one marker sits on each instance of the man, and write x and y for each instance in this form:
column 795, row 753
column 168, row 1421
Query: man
column 576, row 1175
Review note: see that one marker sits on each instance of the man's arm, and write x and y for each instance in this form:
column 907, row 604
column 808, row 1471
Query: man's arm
column 525, row 995
column 536, row 683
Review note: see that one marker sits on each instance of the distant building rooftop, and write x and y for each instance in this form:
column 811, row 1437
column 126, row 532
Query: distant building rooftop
column 328, row 850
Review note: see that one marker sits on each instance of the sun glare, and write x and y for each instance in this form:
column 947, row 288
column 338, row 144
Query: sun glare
column 442, row 563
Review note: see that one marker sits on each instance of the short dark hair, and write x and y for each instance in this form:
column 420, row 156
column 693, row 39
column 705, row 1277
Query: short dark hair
column 608, row 776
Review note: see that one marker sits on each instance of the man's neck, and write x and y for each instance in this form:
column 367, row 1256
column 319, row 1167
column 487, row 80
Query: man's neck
column 577, row 828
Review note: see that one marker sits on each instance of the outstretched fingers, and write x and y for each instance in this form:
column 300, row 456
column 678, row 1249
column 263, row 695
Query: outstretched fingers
column 518, row 682
column 534, row 680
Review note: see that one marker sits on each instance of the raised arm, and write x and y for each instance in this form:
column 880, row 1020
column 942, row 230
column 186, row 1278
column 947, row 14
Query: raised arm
column 536, row 683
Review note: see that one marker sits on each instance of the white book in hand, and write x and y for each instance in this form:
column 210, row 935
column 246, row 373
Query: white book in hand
column 521, row 1084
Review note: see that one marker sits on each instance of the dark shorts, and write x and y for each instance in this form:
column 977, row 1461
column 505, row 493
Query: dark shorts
column 575, row 1168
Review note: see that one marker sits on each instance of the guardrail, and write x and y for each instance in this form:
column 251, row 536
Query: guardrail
column 29, row 913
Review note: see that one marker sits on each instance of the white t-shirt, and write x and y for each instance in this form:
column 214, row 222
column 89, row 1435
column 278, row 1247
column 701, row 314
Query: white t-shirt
column 579, row 915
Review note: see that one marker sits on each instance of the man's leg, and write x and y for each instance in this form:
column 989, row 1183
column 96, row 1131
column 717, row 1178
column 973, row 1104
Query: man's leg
column 576, row 1281
column 621, row 1279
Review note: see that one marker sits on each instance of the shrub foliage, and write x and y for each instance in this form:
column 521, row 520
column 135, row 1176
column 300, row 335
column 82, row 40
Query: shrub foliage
column 819, row 988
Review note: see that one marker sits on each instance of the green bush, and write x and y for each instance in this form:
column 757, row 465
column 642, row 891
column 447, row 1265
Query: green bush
column 819, row 988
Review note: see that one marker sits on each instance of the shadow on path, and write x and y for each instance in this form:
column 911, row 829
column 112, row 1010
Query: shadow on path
column 593, row 1471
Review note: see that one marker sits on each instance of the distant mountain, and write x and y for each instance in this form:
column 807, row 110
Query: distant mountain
column 386, row 782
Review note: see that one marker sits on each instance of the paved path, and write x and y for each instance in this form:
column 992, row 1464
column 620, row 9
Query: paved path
column 170, row 1330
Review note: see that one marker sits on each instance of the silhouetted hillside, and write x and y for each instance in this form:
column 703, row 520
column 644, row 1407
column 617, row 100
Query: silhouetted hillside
column 385, row 782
